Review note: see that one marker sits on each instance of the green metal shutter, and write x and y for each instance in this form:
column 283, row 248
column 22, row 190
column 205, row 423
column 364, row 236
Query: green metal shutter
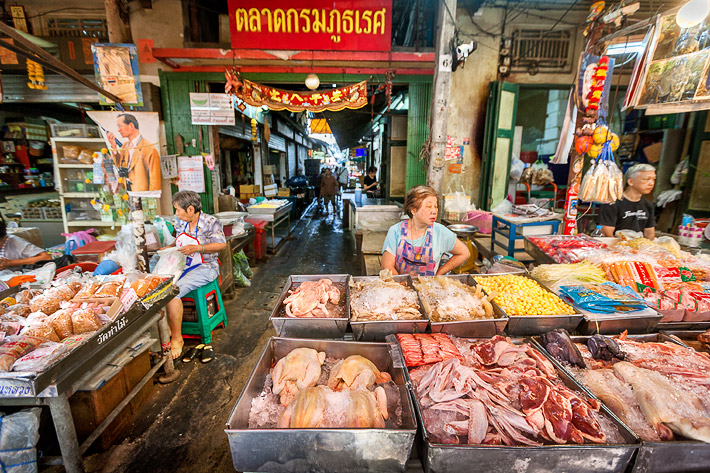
column 417, row 132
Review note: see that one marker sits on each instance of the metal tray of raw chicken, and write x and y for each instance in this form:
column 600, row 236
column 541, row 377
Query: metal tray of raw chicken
column 440, row 457
column 481, row 328
column 655, row 396
column 523, row 325
column 311, row 326
column 377, row 330
column 348, row 450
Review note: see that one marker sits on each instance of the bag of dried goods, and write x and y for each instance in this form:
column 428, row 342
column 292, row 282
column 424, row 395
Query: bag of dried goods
column 87, row 292
column 111, row 288
column 144, row 285
column 15, row 347
column 20, row 310
column 603, row 183
column 61, row 323
column 24, row 297
column 41, row 330
column 62, row 292
column 47, row 305
column 39, row 358
column 85, row 320
column 10, row 328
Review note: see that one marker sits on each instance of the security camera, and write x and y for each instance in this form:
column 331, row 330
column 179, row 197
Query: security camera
column 465, row 49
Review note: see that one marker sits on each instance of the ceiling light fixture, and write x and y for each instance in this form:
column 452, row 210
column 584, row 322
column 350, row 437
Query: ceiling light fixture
column 312, row 81
column 692, row 13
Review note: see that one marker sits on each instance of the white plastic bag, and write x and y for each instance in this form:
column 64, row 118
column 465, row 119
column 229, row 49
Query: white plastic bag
column 503, row 207
column 516, row 169
column 171, row 263
column 166, row 238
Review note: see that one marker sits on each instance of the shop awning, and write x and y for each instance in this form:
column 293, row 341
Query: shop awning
column 349, row 126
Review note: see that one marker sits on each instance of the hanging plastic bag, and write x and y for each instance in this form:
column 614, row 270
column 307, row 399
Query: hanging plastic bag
column 604, row 182
column 171, row 263
column 541, row 174
column 164, row 231
column 516, row 169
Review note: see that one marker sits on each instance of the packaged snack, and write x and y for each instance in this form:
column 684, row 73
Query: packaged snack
column 39, row 358
column 24, row 297
column 61, row 323
column 604, row 298
column 71, row 152
column 85, row 156
column 8, row 301
column 145, row 285
column 46, row 304
column 10, row 328
column 85, row 320
column 15, row 347
column 20, row 310
column 87, row 292
column 110, row 288
column 41, row 330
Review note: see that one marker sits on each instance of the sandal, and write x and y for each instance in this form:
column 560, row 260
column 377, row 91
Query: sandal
column 207, row 354
column 192, row 353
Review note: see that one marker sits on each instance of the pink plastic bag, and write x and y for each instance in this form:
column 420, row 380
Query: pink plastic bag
column 77, row 240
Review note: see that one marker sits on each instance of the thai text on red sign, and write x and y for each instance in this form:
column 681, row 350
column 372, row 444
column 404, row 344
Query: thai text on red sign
column 347, row 25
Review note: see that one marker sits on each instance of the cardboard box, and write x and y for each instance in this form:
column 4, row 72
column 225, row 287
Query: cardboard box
column 271, row 190
column 227, row 203
column 246, row 189
column 284, row 192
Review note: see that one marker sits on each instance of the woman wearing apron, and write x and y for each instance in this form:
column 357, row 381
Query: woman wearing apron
column 415, row 246
column 200, row 237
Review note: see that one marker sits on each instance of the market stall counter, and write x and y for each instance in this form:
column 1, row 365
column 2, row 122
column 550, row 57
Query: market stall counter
column 275, row 213
column 53, row 385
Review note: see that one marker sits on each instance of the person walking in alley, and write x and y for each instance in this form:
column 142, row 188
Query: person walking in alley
column 328, row 188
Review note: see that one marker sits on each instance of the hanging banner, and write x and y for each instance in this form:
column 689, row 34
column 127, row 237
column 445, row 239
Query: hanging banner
column 343, row 25
column 116, row 71
column 351, row 96
column 132, row 141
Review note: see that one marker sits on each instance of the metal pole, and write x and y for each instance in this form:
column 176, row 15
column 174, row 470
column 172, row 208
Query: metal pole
column 171, row 374
column 66, row 434
column 139, row 234
column 440, row 96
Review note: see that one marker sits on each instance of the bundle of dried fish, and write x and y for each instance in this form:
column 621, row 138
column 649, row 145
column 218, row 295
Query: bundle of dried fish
column 449, row 300
column 382, row 299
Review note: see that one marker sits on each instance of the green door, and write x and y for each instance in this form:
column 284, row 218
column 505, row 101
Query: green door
column 498, row 142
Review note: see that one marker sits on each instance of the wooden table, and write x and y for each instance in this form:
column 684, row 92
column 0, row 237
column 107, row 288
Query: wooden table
column 371, row 252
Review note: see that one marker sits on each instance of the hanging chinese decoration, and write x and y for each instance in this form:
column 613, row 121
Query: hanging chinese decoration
column 35, row 74
column 351, row 96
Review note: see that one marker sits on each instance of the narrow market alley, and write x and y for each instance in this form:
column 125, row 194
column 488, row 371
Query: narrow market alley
column 181, row 427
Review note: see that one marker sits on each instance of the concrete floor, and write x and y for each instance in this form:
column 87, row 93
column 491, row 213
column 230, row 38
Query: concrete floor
column 181, row 427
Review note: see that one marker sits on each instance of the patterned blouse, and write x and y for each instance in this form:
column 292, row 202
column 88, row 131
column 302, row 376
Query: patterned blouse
column 208, row 230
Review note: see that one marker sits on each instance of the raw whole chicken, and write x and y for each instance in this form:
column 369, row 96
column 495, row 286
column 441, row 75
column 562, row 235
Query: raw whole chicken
column 310, row 299
column 296, row 371
column 321, row 407
column 356, row 372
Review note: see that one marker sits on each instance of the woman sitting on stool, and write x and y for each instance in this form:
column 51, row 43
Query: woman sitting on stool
column 200, row 237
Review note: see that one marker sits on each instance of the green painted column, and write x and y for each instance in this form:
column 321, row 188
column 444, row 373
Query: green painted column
column 417, row 131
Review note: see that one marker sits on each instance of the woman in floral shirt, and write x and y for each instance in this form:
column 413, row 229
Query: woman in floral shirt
column 207, row 230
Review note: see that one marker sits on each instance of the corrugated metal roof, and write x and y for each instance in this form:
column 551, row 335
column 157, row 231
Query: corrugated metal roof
column 60, row 89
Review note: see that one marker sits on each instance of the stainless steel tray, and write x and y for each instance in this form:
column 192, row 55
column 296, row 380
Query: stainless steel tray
column 311, row 327
column 592, row 458
column 320, row 450
column 683, row 326
column 265, row 210
column 523, row 325
column 618, row 325
column 377, row 330
column 538, row 255
column 483, row 328
column 655, row 457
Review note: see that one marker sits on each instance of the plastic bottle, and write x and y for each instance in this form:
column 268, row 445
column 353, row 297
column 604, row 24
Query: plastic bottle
column 597, row 232
column 358, row 194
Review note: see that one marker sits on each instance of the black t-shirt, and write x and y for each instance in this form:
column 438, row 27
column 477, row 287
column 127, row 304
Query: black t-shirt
column 626, row 215
column 370, row 180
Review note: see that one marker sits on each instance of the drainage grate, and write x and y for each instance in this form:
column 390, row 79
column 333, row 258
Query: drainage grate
column 542, row 50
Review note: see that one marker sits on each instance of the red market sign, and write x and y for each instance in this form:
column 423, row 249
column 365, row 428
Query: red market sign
column 344, row 25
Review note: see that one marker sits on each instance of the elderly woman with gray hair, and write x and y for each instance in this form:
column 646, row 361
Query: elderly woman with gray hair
column 200, row 237
column 633, row 211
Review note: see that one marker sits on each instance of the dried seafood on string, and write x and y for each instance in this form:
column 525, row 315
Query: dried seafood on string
column 382, row 298
column 449, row 300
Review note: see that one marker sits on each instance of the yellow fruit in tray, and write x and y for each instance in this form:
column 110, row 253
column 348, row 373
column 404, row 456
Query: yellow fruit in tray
column 601, row 134
column 594, row 150
column 520, row 295
column 614, row 141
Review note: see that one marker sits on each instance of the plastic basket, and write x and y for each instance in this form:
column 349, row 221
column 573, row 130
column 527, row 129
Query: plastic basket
column 481, row 219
